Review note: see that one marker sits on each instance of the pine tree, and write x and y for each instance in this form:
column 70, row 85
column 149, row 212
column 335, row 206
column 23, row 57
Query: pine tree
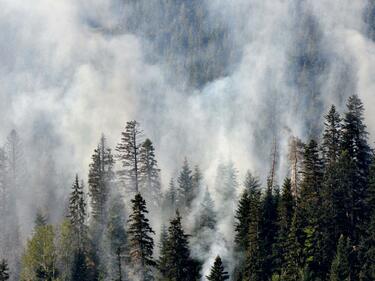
column 217, row 271
column 141, row 244
column 4, row 271
column 77, row 212
column 177, row 263
column 355, row 143
column 197, row 179
column 129, row 150
column 340, row 268
column 163, row 244
column 243, row 216
column 40, row 219
column 253, row 254
column 185, row 187
column 291, row 270
column 311, row 213
column 285, row 215
column 149, row 173
column 100, row 178
column 171, row 196
column 331, row 143
column 116, row 234
column 207, row 216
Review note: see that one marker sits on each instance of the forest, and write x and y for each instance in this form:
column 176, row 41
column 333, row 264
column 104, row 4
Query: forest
column 173, row 140
column 318, row 224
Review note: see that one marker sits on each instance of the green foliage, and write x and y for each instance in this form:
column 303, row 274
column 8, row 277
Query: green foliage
column 39, row 260
column 217, row 271
column 340, row 269
column 175, row 263
column 141, row 244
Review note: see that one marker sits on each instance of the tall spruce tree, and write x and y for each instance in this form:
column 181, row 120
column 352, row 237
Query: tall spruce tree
column 355, row 142
column 340, row 269
column 253, row 255
column 116, row 235
column 129, row 150
column 185, row 186
column 149, row 174
column 268, row 232
column 217, row 272
column 77, row 212
column 311, row 213
column 4, row 270
column 207, row 215
column 332, row 136
column 292, row 267
column 177, row 262
column 141, row 244
column 243, row 216
column 100, row 179
column 285, row 213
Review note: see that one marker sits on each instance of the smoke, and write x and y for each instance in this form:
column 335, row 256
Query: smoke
column 72, row 70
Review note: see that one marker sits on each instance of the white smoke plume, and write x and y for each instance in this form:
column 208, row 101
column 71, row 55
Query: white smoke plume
column 71, row 70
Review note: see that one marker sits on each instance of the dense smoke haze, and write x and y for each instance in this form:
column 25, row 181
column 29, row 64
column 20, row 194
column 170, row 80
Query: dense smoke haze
column 214, row 81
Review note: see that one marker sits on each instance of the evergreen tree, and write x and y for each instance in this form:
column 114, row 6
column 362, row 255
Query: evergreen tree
column 268, row 232
column 40, row 219
column 4, row 271
column 250, row 195
column 291, row 270
column 197, row 179
column 207, row 216
column 177, row 263
column 355, row 143
column 340, row 268
column 332, row 136
column 141, row 244
column 100, row 178
column 217, row 271
column 77, row 212
column 185, row 187
column 253, row 255
column 149, row 173
column 163, row 244
column 117, row 235
column 285, row 212
column 129, row 150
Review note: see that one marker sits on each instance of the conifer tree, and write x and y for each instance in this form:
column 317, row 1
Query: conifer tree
column 149, row 173
column 207, row 216
column 268, row 232
column 129, row 150
column 285, row 213
column 185, row 187
column 117, row 234
column 77, row 212
column 332, row 136
column 100, row 178
column 4, row 270
column 355, row 143
column 217, row 271
column 163, row 244
column 340, row 269
column 253, row 255
column 291, row 270
column 177, row 263
column 141, row 244
column 197, row 179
